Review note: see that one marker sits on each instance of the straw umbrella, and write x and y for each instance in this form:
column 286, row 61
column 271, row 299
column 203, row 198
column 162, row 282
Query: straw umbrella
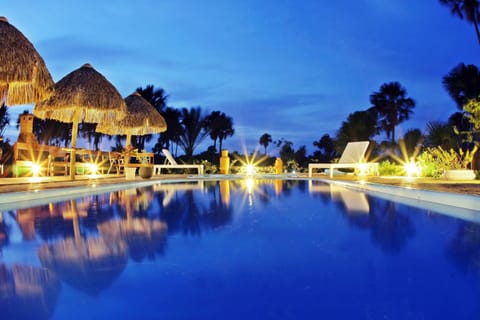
column 24, row 78
column 144, row 236
column 141, row 119
column 84, row 95
column 88, row 264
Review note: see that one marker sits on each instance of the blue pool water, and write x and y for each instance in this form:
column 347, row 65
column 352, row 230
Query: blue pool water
column 237, row 250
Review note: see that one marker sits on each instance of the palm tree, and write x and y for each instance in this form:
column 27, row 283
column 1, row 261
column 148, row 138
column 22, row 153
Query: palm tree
column 359, row 126
column 87, row 130
column 463, row 84
column 220, row 126
column 441, row 134
column 4, row 119
column 465, row 9
column 391, row 106
column 158, row 99
column 194, row 130
column 265, row 140
column 174, row 131
column 326, row 149
column 412, row 141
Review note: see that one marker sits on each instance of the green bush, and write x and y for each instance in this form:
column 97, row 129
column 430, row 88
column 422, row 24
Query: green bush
column 434, row 161
column 429, row 165
column 387, row 168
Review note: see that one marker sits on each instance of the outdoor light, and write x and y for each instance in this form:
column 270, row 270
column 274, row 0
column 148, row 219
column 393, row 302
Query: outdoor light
column 93, row 167
column 36, row 169
column 411, row 168
column 250, row 169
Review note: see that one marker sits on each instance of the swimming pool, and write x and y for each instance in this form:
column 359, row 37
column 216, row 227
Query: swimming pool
column 237, row 249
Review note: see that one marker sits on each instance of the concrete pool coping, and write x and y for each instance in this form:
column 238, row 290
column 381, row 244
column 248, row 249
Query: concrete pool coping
column 22, row 192
column 454, row 204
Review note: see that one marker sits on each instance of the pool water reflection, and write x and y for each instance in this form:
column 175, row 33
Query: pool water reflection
column 237, row 249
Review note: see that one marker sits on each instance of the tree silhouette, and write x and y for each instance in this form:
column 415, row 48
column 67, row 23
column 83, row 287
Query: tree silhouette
column 220, row 127
column 194, row 130
column 359, row 126
column 87, row 131
column 462, row 84
column 412, row 140
column 265, row 140
column 391, row 106
column 4, row 119
column 326, row 148
column 174, row 131
column 440, row 134
column 158, row 99
column 465, row 9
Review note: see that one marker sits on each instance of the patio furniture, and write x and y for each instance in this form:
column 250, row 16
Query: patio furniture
column 170, row 163
column 353, row 157
column 59, row 162
column 116, row 162
column 25, row 155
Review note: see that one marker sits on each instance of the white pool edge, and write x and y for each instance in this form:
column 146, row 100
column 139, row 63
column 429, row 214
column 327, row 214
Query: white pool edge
column 463, row 206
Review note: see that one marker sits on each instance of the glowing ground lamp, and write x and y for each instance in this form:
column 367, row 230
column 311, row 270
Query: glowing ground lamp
column 411, row 168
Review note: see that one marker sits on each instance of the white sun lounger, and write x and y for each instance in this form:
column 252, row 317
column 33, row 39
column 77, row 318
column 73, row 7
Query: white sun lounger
column 170, row 163
column 352, row 157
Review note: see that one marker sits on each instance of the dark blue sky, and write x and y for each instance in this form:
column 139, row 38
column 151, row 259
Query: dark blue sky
column 292, row 68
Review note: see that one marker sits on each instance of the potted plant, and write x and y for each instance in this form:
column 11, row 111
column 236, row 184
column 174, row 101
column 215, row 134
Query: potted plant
column 455, row 165
column 146, row 169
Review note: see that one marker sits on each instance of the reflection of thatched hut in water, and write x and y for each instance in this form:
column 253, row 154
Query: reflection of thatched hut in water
column 90, row 265
column 27, row 292
column 143, row 236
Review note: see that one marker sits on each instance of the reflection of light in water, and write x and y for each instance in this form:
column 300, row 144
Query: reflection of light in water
column 249, row 185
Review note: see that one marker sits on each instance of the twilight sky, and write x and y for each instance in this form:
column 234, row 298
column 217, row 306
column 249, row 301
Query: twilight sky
column 292, row 68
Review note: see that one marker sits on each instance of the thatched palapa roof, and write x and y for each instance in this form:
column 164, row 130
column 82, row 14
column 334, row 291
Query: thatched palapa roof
column 24, row 77
column 141, row 119
column 84, row 94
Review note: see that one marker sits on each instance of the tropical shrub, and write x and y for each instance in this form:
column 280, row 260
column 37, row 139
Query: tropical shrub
column 434, row 161
column 388, row 168
column 209, row 167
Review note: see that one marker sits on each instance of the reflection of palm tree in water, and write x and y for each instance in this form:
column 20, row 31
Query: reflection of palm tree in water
column 464, row 248
column 190, row 215
column 390, row 228
column 3, row 233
